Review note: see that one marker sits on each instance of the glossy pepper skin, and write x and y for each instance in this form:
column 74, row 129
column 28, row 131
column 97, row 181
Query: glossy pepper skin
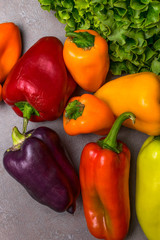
column 87, row 114
column 104, row 180
column 40, row 164
column 138, row 93
column 10, row 48
column 148, row 188
column 40, row 79
column 87, row 59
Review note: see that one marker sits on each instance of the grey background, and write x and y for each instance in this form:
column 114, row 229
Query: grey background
column 22, row 218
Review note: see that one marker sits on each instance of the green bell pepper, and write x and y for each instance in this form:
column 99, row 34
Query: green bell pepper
column 148, row 188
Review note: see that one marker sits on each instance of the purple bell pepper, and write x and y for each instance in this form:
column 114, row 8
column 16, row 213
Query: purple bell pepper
column 39, row 162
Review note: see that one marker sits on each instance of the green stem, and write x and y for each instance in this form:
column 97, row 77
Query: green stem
column 110, row 141
column 74, row 110
column 17, row 137
column 73, row 34
column 27, row 111
column 25, row 124
column 83, row 40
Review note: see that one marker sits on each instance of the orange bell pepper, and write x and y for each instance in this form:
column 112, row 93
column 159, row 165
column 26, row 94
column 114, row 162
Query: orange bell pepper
column 87, row 114
column 86, row 56
column 10, row 48
column 138, row 93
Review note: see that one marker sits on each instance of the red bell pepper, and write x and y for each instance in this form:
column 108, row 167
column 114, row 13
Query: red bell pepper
column 104, row 179
column 39, row 85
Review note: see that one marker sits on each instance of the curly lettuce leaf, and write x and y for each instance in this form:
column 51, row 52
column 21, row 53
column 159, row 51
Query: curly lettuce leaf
column 131, row 27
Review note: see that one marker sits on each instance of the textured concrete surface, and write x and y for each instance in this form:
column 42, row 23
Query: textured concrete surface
column 22, row 218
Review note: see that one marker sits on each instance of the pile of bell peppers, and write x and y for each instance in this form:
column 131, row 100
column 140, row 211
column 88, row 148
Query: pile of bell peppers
column 39, row 87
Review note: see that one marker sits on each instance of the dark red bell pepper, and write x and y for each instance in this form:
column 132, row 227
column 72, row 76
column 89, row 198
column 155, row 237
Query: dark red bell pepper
column 39, row 85
column 38, row 161
column 104, row 179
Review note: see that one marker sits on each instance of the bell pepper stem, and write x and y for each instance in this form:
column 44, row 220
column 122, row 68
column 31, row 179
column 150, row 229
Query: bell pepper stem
column 110, row 141
column 83, row 40
column 25, row 124
column 27, row 111
column 74, row 110
column 17, row 137
column 73, row 34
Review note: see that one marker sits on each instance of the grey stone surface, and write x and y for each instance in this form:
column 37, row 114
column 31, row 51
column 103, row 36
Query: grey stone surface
column 22, row 218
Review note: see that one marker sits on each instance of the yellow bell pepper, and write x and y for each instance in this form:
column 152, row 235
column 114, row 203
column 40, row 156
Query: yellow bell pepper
column 147, row 200
column 138, row 93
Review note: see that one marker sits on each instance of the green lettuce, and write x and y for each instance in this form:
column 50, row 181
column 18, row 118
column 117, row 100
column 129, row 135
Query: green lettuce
column 131, row 27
